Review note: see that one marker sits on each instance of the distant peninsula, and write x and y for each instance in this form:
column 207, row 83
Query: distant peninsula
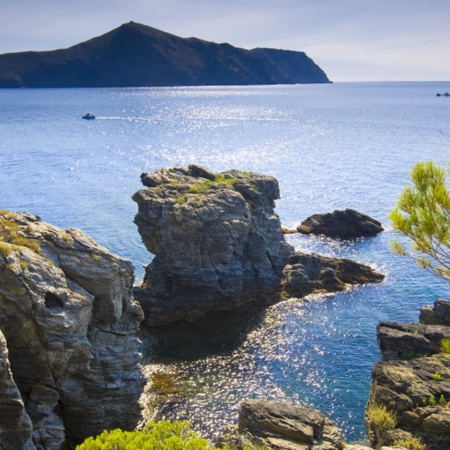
column 136, row 55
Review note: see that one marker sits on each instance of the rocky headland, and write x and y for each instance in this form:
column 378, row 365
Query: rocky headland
column 138, row 55
column 69, row 361
column 344, row 224
column 218, row 244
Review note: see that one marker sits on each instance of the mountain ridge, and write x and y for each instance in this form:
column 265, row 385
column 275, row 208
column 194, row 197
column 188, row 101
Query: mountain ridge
column 136, row 55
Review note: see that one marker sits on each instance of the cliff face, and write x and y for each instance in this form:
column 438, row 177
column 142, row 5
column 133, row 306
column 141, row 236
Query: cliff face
column 413, row 380
column 218, row 244
column 70, row 365
column 216, row 239
column 138, row 55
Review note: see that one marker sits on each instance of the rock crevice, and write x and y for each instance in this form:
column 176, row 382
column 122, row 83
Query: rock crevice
column 69, row 322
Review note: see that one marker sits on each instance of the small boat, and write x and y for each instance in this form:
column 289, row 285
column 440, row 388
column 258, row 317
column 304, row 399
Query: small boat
column 445, row 94
column 88, row 116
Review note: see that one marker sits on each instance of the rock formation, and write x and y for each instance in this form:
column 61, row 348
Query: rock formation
column 413, row 380
column 218, row 244
column 280, row 425
column 69, row 363
column 344, row 224
column 305, row 274
column 216, row 239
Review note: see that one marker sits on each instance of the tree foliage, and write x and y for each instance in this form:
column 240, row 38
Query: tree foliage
column 423, row 215
column 164, row 435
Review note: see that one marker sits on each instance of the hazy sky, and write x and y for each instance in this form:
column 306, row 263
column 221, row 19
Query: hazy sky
column 352, row 40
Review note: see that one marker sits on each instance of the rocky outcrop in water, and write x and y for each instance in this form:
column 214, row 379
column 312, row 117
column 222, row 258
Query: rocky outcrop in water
column 343, row 224
column 281, row 426
column 413, row 380
column 218, row 244
column 216, row 239
column 305, row 274
column 69, row 363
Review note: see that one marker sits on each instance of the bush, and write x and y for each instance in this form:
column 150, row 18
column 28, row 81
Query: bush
column 412, row 443
column 164, row 435
column 381, row 417
column 445, row 346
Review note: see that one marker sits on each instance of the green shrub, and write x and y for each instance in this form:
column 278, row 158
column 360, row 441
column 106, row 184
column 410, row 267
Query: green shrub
column 5, row 249
column 381, row 417
column 442, row 400
column 432, row 400
column 437, row 376
column 445, row 346
column 164, row 435
column 412, row 443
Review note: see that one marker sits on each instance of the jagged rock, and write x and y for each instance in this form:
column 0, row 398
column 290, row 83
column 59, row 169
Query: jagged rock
column 216, row 239
column 438, row 314
column 344, row 224
column 70, row 322
column 279, row 425
column 416, row 390
column 305, row 274
column 15, row 424
column 218, row 245
column 407, row 341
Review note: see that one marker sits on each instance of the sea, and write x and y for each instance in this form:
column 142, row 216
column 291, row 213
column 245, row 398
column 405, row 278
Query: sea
column 331, row 146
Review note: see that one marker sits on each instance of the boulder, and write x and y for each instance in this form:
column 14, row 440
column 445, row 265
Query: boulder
column 69, row 320
column 311, row 273
column 217, row 242
column 345, row 224
column 279, row 425
column 408, row 341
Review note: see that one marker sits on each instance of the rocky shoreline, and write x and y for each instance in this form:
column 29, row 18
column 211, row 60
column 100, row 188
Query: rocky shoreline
column 69, row 346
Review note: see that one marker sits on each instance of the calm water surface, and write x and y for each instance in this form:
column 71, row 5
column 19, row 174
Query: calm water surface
column 330, row 146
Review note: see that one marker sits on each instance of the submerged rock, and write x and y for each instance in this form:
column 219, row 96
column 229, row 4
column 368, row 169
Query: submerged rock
column 280, row 425
column 216, row 239
column 70, row 322
column 344, row 224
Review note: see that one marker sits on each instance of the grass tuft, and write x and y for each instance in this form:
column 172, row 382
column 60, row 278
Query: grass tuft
column 381, row 417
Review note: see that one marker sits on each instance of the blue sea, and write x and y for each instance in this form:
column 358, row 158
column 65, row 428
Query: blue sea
column 331, row 146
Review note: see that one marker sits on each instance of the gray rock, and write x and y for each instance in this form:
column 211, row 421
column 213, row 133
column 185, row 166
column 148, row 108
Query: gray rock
column 344, row 224
column 305, row 274
column 408, row 341
column 70, row 322
column 218, row 245
column 438, row 314
column 15, row 424
column 217, row 242
column 280, row 425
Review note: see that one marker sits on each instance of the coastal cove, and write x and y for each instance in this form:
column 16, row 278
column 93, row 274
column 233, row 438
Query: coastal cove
column 330, row 147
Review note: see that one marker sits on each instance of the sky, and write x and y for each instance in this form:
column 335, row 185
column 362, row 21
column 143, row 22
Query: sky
column 351, row 40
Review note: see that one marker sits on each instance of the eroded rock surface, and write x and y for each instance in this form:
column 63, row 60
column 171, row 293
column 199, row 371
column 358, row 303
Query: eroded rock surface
column 305, row 274
column 70, row 322
column 413, row 380
column 216, row 239
column 344, row 224
column 279, row 425
column 218, row 244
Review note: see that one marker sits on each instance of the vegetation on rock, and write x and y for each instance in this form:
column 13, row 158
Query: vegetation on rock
column 381, row 417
